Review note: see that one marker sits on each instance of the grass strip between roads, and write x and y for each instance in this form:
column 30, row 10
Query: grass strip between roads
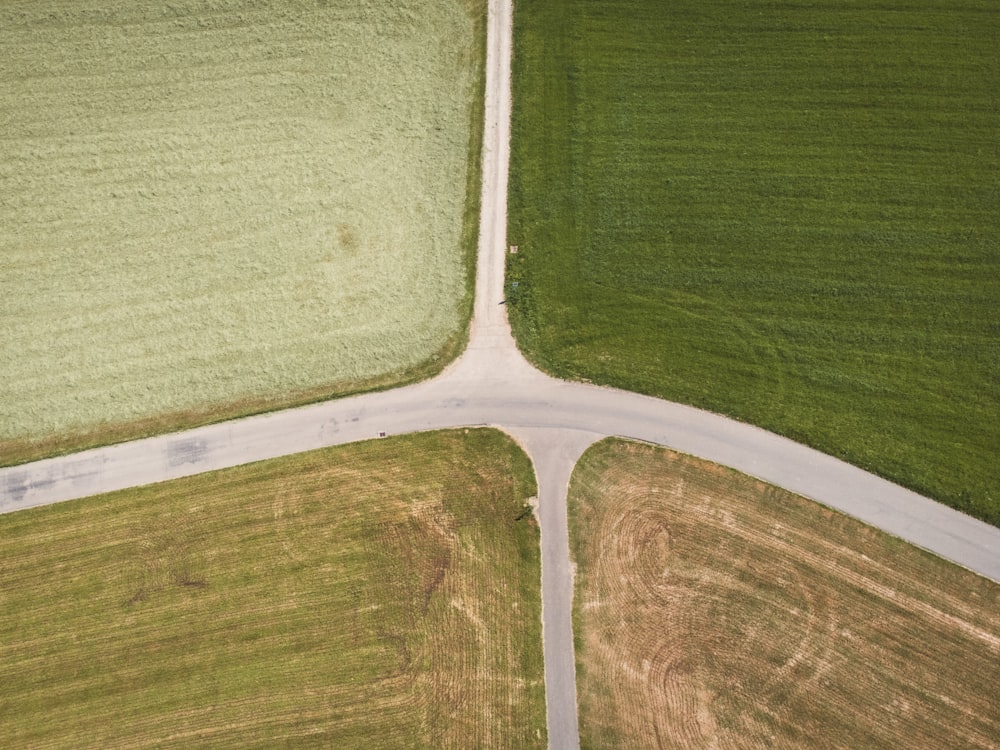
column 782, row 212
column 384, row 594
column 713, row 610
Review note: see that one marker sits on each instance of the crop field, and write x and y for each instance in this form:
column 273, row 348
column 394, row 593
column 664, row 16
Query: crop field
column 215, row 207
column 783, row 212
column 382, row 594
column 713, row 610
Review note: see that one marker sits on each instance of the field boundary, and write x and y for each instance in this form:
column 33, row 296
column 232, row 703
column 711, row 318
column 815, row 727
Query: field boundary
column 492, row 384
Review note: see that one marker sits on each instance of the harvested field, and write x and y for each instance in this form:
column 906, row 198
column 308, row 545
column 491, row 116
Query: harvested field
column 383, row 594
column 712, row 610
column 215, row 208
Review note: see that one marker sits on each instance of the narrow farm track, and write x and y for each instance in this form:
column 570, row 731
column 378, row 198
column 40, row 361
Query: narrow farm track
column 491, row 384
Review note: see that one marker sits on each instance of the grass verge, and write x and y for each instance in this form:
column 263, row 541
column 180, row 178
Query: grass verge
column 384, row 594
column 211, row 211
column 782, row 213
column 712, row 609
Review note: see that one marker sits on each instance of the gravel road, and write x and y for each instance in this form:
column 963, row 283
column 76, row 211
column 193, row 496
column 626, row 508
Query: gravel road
column 491, row 384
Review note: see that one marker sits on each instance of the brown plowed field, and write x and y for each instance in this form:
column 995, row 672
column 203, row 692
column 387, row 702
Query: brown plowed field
column 713, row 610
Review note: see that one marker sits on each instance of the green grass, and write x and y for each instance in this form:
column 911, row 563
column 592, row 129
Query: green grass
column 783, row 212
column 209, row 209
column 384, row 594
column 714, row 610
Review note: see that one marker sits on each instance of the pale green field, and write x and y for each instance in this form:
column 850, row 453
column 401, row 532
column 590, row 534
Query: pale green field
column 218, row 202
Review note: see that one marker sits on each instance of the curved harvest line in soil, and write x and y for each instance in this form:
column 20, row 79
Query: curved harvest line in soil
column 491, row 384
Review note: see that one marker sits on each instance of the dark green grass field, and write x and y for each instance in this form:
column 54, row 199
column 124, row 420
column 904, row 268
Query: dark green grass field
column 781, row 211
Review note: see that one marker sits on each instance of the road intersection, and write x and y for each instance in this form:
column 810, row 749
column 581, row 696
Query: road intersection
column 555, row 421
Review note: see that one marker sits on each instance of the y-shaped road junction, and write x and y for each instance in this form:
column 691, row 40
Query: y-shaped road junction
column 553, row 420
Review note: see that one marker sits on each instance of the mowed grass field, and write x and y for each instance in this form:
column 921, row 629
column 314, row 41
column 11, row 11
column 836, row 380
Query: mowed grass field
column 210, row 208
column 712, row 610
column 383, row 594
column 783, row 212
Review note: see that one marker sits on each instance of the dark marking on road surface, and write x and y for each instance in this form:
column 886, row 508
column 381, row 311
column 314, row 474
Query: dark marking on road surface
column 329, row 428
column 190, row 451
column 16, row 486
column 82, row 472
column 19, row 483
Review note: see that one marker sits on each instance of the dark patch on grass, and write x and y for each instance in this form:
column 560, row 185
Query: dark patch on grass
column 438, row 570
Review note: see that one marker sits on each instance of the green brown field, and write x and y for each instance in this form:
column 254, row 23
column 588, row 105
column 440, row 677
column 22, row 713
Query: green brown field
column 712, row 610
column 211, row 208
column 383, row 594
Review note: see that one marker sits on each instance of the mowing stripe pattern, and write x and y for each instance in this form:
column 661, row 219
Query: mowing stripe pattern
column 205, row 203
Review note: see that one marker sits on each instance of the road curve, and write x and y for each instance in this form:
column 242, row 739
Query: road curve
column 512, row 396
column 491, row 384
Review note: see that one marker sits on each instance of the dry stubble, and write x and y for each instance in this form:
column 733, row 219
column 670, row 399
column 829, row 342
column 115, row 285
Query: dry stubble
column 382, row 594
column 713, row 610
